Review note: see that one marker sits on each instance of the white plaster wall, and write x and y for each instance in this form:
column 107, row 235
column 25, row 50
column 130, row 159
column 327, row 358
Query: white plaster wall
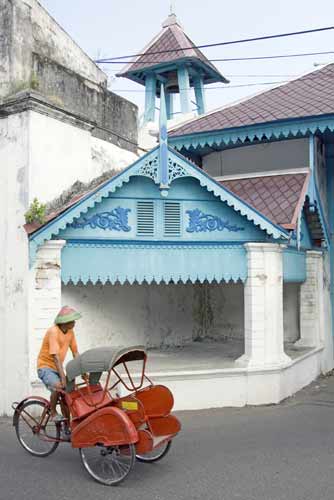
column 291, row 312
column 29, row 28
column 327, row 357
column 14, row 275
column 166, row 315
column 258, row 158
column 106, row 156
column 51, row 40
column 155, row 315
column 65, row 154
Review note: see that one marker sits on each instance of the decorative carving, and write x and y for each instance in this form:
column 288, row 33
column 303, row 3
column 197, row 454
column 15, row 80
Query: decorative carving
column 200, row 222
column 175, row 171
column 115, row 220
column 150, row 169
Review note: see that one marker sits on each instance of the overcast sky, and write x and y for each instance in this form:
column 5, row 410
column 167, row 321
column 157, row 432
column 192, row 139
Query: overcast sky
column 110, row 28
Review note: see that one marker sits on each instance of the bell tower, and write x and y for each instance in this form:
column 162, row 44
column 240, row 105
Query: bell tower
column 172, row 58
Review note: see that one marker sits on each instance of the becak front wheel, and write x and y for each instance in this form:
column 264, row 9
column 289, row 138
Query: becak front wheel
column 34, row 429
column 108, row 465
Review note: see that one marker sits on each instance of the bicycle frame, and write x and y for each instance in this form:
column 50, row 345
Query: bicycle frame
column 44, row 419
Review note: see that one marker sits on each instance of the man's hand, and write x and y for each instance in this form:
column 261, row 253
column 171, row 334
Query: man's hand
column 63, row 381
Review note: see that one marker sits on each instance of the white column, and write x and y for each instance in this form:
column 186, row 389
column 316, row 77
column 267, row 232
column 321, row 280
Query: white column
column 312, row 302
column 46, row 295
column 264, row 307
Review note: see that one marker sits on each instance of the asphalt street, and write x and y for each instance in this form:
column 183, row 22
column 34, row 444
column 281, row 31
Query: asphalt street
column 283, row 452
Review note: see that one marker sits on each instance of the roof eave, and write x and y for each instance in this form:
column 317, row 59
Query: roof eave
column 210, row 75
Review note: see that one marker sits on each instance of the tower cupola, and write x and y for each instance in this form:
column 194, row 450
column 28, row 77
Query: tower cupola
column 172, row 58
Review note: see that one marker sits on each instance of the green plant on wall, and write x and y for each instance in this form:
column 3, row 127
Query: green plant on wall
column 36, row 213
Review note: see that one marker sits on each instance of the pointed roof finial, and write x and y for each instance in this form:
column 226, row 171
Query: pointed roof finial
column 171, row 19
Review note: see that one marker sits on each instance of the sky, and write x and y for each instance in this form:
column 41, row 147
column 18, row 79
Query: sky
column 110, row 28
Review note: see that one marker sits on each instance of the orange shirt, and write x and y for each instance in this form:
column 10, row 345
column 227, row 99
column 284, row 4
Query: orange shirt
column 56, row 342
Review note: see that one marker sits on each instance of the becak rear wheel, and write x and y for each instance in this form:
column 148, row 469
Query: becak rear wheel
column 108, row 465
column 156, row 454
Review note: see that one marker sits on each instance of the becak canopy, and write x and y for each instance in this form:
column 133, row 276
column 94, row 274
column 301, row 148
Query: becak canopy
column 102, row 359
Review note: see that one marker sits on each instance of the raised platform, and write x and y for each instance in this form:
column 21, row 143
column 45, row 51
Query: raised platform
column 203, row 375
column 204, row 355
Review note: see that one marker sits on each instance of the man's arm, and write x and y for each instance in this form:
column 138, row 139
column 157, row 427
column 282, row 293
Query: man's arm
column 60, row 369
column 74, row 347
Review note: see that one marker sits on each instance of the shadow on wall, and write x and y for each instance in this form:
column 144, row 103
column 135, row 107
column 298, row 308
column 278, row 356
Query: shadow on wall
column 156, row 315
column 163, row 316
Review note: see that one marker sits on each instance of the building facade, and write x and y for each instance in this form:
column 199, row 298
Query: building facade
column 214, row 249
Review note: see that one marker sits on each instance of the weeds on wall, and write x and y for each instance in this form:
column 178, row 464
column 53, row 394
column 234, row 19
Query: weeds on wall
column 36, row 213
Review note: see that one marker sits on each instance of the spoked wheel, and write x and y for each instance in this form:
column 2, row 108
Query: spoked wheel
column 38, row 438
column 108, row 464
column 156, row 454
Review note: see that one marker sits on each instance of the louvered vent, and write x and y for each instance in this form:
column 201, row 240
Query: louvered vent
column 172, row 218
column 145, row 218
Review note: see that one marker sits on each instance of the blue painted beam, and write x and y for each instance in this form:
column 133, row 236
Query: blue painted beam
column 200, row 94
column 163, row 142
column 170, row 105
column 184, row 89
column 312, row 165
column 150, row 88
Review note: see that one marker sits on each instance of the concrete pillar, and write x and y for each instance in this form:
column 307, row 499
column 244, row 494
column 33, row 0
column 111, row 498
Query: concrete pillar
column 184, row 89
column 150, row 89
column 264, row 307
column 200, row 94
column 312, row 302
column 46, row 295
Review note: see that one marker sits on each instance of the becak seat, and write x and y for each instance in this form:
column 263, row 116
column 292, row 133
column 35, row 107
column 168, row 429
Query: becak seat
column 82, row 402
column 157, row 400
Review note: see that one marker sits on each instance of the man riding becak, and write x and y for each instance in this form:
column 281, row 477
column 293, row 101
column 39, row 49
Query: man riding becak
column 57, row 340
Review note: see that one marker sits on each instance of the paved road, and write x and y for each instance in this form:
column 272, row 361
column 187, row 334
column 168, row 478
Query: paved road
column 281, row 452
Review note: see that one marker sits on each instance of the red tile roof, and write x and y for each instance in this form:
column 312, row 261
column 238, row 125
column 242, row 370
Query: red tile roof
column 277, row 197
column 171, row 38
column 309, row 95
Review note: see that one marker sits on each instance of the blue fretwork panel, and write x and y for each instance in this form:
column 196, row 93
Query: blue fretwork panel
column 150, row 168
column 199, row 222
column 114, row 220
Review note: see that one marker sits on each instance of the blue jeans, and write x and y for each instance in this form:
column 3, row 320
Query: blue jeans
column 49, row 377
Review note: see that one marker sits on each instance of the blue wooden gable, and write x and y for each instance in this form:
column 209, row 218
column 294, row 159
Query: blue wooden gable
column 133, row 229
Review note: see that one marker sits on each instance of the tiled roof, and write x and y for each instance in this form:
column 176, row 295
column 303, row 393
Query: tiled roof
column 278, row 197
column 309, row 95
column 171, row 38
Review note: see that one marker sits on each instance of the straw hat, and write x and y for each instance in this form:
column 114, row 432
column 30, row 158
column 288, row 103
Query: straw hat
column 66, row 315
